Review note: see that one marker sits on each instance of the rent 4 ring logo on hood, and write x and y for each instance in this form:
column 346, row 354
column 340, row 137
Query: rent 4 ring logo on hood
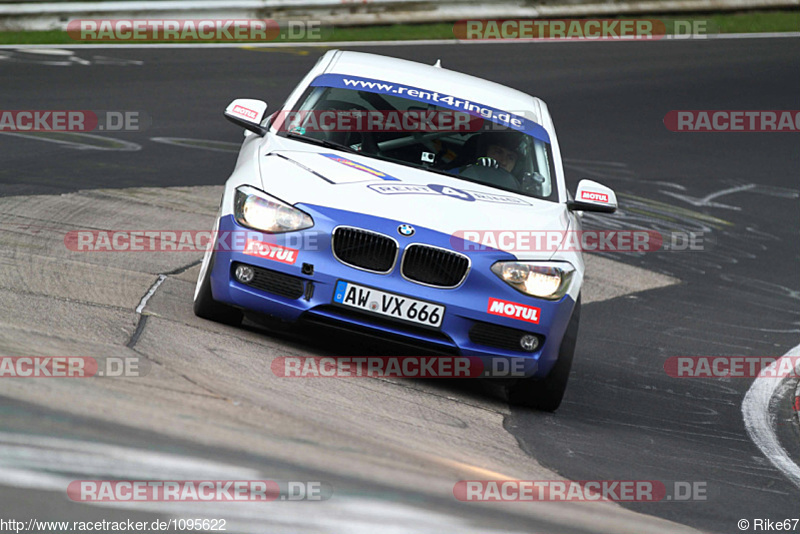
column 438, row 189
column 492, row 114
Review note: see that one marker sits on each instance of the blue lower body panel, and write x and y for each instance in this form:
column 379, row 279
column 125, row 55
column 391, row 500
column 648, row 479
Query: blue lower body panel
column 314, row 271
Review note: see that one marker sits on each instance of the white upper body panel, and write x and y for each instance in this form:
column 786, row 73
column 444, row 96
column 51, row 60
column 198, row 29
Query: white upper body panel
column 441, row 80
column 302, row 173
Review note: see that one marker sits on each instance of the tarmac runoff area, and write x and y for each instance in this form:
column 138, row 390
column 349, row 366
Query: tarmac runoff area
column 211, row 385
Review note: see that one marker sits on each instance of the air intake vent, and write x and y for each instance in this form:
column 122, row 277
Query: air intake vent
column 500, row 337
column 364, row 249
column 274, row 282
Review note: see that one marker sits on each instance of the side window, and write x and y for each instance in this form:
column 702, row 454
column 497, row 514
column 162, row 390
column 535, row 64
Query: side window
column 542, row 161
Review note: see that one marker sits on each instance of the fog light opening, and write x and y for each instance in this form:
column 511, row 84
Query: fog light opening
column 528, row 342
column 244, row 274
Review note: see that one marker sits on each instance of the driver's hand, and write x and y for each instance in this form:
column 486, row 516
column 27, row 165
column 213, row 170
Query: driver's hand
column 488, row 162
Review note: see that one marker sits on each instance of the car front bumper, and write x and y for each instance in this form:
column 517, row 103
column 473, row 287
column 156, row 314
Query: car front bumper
column 296, row 295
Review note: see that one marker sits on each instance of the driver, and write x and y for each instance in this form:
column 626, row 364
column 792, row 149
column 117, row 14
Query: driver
column 499, row 150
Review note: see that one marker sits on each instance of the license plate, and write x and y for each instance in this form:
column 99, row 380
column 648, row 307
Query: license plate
column 388, row 304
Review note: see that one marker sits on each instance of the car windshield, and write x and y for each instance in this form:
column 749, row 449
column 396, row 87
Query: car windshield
column 466, row 145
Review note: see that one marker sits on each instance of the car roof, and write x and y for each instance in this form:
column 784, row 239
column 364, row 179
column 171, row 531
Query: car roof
column 437, row 79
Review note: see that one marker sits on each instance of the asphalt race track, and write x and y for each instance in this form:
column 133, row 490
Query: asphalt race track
column 208, row 407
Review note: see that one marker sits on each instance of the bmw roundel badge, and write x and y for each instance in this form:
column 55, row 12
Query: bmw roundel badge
column 406, row 230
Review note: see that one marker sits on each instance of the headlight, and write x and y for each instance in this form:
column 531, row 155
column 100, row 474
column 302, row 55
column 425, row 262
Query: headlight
column 547, row 280
column 255, row 209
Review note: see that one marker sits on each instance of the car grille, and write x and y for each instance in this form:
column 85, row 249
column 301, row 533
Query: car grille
column 500, row 337
column 364, row 249
column 434, row 266
column 281, row 284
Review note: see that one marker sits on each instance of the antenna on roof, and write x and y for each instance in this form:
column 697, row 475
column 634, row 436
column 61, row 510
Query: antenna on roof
column 438, row 64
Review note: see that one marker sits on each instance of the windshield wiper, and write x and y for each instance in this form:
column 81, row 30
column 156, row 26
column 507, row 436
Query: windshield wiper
column 321, row 142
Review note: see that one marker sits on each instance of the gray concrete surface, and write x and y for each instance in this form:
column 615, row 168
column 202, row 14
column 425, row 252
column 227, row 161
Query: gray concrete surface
column 212, row 384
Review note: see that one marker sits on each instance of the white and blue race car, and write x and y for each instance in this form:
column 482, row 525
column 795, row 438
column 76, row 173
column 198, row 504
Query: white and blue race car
column 372, row 229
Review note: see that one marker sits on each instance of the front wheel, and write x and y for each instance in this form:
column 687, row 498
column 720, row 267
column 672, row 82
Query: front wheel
column 204, row 304
column 546, row 393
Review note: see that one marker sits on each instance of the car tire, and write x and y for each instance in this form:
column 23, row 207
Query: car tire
column 546, row 393
column 204, row 304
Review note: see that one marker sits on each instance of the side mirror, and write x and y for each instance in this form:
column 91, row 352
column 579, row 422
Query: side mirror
column 247, row 113
column 591, row 196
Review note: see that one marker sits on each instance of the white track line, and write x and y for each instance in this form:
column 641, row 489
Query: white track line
column 143, row 303
column 760, row 424
column 415, row 42
column 47, row 463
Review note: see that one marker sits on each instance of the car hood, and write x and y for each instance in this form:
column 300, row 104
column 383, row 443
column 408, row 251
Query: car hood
column 445, row 204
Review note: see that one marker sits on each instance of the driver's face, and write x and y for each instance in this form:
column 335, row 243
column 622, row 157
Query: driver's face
column 505, row 158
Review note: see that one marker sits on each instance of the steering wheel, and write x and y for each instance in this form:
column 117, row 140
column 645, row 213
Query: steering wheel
column 491, row 176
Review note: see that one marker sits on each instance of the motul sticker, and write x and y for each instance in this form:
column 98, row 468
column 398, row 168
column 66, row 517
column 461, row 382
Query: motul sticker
column 270, row 251
column 504, row 308
column 594, row 197
column 245, row 112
